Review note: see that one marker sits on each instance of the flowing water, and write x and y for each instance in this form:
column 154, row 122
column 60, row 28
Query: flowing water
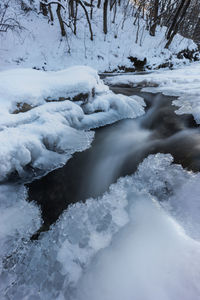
column 117, row 151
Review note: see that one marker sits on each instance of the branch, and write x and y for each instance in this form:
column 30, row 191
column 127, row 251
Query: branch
column 52, row 2
column 88, row 4
column 88, row 19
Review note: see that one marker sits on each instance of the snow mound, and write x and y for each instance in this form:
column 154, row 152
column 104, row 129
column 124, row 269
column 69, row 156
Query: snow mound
column 53, row 112
column 34, row 87
column 183, row 83
column 126, row 231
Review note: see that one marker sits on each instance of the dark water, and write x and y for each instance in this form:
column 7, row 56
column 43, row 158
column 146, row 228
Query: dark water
column 116, row 151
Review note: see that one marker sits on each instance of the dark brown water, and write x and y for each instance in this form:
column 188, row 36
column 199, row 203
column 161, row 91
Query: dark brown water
column 117, row 151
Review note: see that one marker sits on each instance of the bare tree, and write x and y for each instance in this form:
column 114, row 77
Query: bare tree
column 179, row 16
column 105, row 13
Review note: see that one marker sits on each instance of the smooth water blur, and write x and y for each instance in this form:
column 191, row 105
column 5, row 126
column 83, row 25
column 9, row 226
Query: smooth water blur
column 117, row 151
column 123, row 140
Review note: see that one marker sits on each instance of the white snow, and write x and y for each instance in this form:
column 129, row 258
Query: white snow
column 40, row 44
column 34, row 87
column 48, row 134
column 183, row 83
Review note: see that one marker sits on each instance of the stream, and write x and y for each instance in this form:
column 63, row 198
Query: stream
column 118, row 222
column 117, row 150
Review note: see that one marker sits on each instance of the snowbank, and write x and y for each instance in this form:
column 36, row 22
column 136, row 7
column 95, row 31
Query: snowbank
column 126, row 240
column 45, row 116
column 183, row 83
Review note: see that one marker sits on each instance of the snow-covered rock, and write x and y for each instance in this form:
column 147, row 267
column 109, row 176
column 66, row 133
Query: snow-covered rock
column 60, row 109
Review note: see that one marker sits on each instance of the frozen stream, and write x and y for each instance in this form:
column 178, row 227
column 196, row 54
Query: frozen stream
column 117, row 151
column 121, row 219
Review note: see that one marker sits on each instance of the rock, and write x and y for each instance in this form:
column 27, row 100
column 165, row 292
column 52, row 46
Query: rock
column 192, row 55
column 22, row 107
column 138, row 64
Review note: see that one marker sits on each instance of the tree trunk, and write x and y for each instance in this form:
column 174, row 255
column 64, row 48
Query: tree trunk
column 88, row 19
column 196, row 34
column 175, row 19
column 155, row 18
column 44, row 8
column 105, row 12
column 91, row 9
column 62, row 26
column 99, row 4
column 71, row 7
column 175, row 29
column 50, row 13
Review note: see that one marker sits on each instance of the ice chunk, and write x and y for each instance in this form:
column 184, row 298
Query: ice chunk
column 156, row 175
column 151, row 258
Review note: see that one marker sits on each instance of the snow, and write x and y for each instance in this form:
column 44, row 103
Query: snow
column 40, row 44
column 55, row 125
column 34, row 87
column 126, row 240
column 183, row 83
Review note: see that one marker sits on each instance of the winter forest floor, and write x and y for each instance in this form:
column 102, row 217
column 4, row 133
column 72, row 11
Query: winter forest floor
column 39, row 45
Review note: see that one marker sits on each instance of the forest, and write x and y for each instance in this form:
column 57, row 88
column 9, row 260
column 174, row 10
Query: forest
column 178, row 16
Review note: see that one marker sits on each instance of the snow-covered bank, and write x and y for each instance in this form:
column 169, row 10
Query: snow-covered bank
column 126, row 240
column 39, row 44
column 45, row 116
column 183, row 83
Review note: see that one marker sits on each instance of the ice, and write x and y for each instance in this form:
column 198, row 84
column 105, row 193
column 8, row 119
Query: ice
column 118, row 243
column 151, row 258
column 185, row 206
column 117, row 109
column 19, row 219
column 183, row 83
column 158, row 177
column 54, row 126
